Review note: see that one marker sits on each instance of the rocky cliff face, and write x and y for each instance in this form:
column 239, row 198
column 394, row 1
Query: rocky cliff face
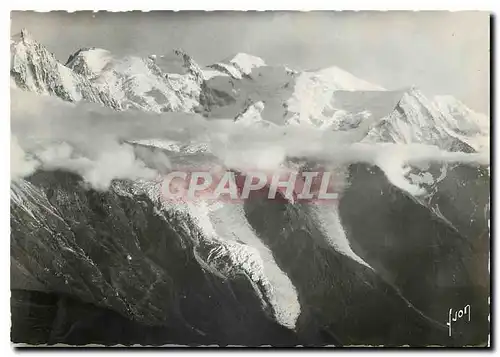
column 434, row 255
column 95, row 75
column 158, row 267
column 35, row 69
column 120, row 252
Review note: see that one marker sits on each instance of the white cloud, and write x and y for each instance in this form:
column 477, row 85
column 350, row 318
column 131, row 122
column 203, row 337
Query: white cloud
column 92, row 141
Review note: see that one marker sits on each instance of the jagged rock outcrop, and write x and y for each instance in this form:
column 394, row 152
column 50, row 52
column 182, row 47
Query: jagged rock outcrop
column 35, row 69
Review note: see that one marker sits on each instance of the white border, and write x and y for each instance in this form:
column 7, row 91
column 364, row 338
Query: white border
column 122, row 5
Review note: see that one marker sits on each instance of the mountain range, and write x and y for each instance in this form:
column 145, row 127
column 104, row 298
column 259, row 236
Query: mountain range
column 382, row 266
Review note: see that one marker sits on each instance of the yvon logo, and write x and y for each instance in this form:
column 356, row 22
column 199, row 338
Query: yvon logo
column 459, row 314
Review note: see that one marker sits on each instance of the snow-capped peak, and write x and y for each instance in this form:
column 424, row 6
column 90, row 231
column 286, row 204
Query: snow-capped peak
column 235, row 66
column 326, row 98
column 417, row 119
column 472, row 126
column 467, row 120
column 448, row 104
column 344, row 80
column 448, row 100
column 245, row 62
column 314, row 91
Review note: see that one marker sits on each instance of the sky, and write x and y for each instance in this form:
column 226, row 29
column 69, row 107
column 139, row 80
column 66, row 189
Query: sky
column 439, row 52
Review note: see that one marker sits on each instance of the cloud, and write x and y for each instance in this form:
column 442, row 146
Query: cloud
column 87, row 139
column 21, row 165
column 94, row 142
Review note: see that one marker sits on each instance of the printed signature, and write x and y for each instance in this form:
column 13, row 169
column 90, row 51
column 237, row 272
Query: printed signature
column 459, row 314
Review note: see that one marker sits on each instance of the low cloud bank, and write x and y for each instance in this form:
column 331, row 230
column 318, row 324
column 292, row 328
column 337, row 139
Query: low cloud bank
column 94, row 142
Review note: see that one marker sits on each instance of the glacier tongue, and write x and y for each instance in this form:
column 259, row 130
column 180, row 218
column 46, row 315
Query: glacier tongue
column 328, row 219
column 229, row 221
column 228, row 246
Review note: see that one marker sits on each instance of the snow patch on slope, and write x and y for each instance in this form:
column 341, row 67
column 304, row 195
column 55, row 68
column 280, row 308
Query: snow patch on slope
column 251, row 115
column 70, row 83
column 228, row 68
column 211, row 73
column 90, row 61
column 32, row 200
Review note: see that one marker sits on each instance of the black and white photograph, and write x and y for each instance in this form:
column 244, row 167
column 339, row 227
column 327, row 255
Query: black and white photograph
column 250, row 178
